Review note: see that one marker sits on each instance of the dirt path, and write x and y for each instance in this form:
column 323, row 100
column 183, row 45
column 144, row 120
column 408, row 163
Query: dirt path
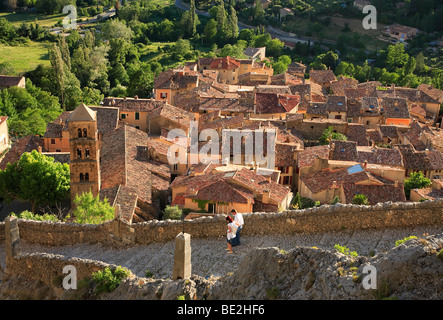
column 209, row 256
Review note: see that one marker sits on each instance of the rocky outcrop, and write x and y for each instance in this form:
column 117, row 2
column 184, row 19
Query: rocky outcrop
column 412, row 270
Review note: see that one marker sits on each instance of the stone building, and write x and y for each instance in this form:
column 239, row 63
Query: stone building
column 85, row 152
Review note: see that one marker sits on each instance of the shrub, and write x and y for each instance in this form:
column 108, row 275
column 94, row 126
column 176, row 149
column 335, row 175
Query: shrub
column 38, row 217
column 335, row 200
column 172, row 212
column 345, row 250
column 108, row 279
column 272, row 293
column 91, row 210
column 360, row 199
column 149, row 274
column 416, row 180
column 440, row 255
column 399, row 242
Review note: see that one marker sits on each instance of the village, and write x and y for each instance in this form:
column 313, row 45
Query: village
column 335, row 139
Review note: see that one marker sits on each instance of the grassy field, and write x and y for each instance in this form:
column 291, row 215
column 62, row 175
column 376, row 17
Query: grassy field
column 25, row 58
column 42, row 19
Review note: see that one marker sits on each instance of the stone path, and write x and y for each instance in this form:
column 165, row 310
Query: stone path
column 210, row 258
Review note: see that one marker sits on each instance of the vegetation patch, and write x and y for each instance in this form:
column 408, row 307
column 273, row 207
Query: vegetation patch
column 109, row 279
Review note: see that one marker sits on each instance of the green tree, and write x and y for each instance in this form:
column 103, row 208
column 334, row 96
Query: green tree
column 233, row 24
column 396, row 57
column 35, row 178
column 410, row 66
column 329, row 134
column 210, row 31
column 360, row 199
column 91, row 210
column 416, row 180
column 172, row 212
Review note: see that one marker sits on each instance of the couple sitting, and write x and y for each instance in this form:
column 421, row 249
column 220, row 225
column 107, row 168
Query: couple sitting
column 234, row 227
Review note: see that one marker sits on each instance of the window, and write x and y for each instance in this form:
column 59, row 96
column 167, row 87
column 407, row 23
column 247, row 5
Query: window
column 287, row 180
column 123, row 116
column 79, row 152
column 137, row 116
column 164, row 95
column 52, row 141
column 79, row 132
column 86, row 176
column 85, row 133
column 87, row 153
column 137, row 127
column 349, row 120
column 175, row 167
column 82, row 177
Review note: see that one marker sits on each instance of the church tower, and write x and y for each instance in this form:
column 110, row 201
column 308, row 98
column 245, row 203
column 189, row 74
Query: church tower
column 84, row 150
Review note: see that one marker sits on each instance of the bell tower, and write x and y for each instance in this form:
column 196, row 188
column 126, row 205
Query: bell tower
column 84, row 151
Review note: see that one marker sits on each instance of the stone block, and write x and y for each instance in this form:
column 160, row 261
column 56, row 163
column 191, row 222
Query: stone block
column 182, row 257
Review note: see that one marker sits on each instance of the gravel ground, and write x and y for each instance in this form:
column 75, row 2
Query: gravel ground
column 209, row 256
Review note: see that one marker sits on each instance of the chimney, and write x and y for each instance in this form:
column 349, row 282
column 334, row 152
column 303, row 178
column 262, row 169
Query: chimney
column 39, row 149
column 266, row 195
column 136, row 97
column 60, row 121
column 334, row 184
column 396, row 183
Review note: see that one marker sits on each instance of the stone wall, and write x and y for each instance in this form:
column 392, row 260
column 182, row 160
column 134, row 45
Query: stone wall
column 47, row 267
column 320, row 219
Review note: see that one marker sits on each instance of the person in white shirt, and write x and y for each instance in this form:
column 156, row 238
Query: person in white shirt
column 231, row 234
column 238, row 220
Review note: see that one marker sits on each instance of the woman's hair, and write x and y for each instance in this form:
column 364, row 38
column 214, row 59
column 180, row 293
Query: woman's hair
column 228, row 218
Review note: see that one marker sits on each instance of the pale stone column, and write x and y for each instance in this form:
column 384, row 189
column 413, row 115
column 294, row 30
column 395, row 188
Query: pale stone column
column 12, row 239
column 182, row 257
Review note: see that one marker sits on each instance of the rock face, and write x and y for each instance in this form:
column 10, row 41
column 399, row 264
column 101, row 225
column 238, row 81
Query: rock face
column 412, row 270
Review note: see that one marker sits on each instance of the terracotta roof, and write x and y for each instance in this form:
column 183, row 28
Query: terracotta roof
column 430, row 193
column 388, row 131
column 357, row 132
column 322, row 76
column 123, row 162
column 107, row 118
column 275, row 103
column 83, row 113
column 54, row 130
column 432, row 92
column 286, row 79
column 284, row 155
column 343, row 150
column 24, row 144
column 374, row 135
column 9, row 81
column 222, row 191
column 386, row 156
column 133, row 104
column 227, row 63
column 223, row 104
column 414, row 134
column 395, row 108
column 336, row 104
column 317, row 108
column 420, row 160
column 338, row 87
column 174, row 80
column 375, row 193
column 61, row 157
column 308, row 155
column 174, row 114
column 273, row 89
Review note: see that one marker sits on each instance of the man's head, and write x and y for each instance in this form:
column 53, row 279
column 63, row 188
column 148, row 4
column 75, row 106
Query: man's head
column 234, row 212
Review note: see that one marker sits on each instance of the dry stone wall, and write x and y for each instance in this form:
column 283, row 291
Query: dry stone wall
column 320, row 219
